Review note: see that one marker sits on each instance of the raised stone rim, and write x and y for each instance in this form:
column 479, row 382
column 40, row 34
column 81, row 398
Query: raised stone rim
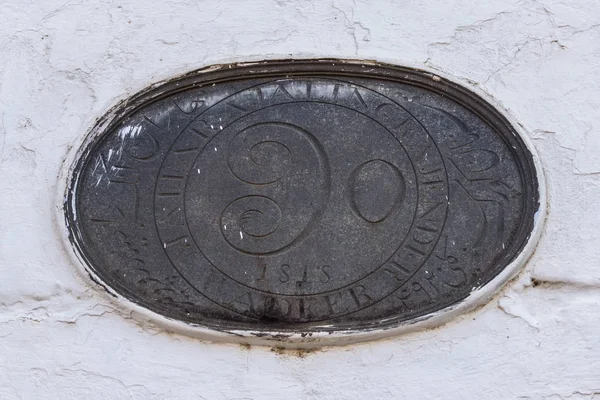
column 471, row 98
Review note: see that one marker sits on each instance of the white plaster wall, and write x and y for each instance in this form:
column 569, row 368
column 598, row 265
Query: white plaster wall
column 64, row 63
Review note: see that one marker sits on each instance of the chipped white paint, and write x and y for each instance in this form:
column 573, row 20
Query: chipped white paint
column 62, row 64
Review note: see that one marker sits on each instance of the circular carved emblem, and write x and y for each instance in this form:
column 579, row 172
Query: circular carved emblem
column 301, row 196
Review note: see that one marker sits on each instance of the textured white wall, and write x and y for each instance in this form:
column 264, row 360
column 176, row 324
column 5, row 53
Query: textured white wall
column 64, row 63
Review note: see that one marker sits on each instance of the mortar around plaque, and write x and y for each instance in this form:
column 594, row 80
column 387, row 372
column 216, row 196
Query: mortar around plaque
column 302, row 196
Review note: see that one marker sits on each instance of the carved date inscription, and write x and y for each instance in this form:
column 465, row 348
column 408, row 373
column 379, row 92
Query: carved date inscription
column 301, row 196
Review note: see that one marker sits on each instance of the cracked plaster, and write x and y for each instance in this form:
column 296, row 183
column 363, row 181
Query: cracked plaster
column 63, row 63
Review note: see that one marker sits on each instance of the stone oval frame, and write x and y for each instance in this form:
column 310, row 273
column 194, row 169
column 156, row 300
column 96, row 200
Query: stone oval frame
column 478, row 103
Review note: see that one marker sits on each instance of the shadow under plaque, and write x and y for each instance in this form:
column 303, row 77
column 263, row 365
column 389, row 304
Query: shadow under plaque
column 301, row 196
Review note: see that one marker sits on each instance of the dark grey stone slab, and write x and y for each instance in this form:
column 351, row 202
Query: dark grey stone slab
column 311, row 196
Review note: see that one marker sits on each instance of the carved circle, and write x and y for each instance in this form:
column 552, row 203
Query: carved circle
column 381, row 177
column 306, row 198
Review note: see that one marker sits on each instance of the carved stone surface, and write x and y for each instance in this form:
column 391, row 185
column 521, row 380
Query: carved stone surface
column 305, row 196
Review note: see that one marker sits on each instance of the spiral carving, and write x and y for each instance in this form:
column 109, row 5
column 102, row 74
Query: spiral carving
column 261, row 156
column 253, row 216
column 259, row 160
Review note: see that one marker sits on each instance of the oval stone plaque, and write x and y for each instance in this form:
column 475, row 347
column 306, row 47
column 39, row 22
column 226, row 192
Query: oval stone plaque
column 301, row 196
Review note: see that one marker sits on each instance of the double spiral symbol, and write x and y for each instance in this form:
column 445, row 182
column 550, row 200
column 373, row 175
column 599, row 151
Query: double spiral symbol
column 277, row 163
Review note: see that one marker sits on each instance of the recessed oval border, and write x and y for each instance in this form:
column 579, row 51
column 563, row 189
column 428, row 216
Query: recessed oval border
column 480, row 296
